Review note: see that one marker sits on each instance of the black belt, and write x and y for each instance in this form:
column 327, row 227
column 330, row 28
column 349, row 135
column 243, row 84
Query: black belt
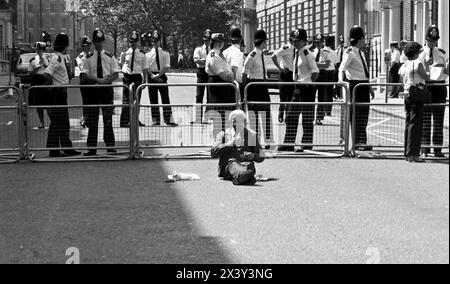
column 358, row 82
column 436, row 82
column 131, row 75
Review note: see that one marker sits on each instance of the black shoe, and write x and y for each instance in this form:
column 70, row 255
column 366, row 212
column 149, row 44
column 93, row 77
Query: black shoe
column 319, row 123
column 364, row 148
column 91, row 153
column 439, row 154
column 171, row 124
column 416, row 160
column 303, row 149
column 281, row 117
column 157, row 124
column 244, row 178
column 83, row 123
column 267, row 147
column 141, row 124
column 72, row 153
column 57, row 154
column 41, row 126
column 112, row 152
column 286, row 149
column 124, row 125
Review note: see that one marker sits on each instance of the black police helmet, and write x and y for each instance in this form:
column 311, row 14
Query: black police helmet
column 260, row 36
column 319, row 37
column 98, row 35
column 356, row 33
column 236, row 34
column 155, row 36
column 61, row 40
column 299, row 34
column 207, row 34
column 134, row 37
column 433, row 33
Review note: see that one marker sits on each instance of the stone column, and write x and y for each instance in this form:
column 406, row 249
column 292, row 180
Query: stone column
column 385, row 33
column 340, row 20
column 419, row 33
column 395, row 22
column 443, row 19
column 349, row 18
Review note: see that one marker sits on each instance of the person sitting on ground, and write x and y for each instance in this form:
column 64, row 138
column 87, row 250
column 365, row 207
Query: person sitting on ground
column 238, row 149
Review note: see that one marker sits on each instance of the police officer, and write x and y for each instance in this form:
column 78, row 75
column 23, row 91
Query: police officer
column 85, row 53
column 59, row 131
column 283, row 59
column 305, row 70
column 219, row 71
column 235, row 57
column 323, row 61
column 200, row 55
column 436, row 63
column 331, row 73
column 38, row 97
column 340, row 50
column 159, row 64
column 394, row 67
column 255, row 71
column 134, row 67
column 100, row 68
column 354, row 69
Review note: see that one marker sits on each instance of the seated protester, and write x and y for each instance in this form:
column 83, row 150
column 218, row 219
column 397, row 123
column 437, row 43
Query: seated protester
column 238, row 150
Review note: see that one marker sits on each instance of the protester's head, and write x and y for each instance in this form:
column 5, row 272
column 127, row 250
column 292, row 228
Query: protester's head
column 61, row 43
column 238, row 119
column 217, row 41
column 413, row 50
column 260, row 39
column 299, row 38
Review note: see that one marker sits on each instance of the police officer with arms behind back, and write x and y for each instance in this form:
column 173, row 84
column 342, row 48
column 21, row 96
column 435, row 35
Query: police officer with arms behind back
column 354, row 69
column 59, row 131
column 100, row 68
column 85, row 53
column 159, row 63
column 306, row 71
column 436, row 64
column 283, row 59
column 255, row 71
column 235, row 57
column 134, row 64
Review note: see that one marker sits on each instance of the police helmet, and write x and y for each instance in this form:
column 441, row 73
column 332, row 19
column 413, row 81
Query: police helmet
column 98, row 35
column 356, row 33
column 299, row 34
column 260, row 36
column 433, row 33
column 61, row 40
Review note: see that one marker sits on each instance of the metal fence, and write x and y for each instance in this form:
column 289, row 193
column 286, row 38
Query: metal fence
column 99, row 133
column 11, row 121
column 196, row 125
column 328, row 139
column 385, row 125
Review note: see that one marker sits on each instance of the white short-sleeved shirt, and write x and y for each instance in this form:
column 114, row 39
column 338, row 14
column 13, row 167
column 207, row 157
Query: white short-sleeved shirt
column 215, row 64
column 140, row 62
column 395, row 57
column 82, row 58
column 403, row 58
column 164, row 60
column 332, row 55
column 254, row 66
column 353, row 65
column 57, row 68
column 323, row 57
column 109, row 64
column 286, row 56
column 235, row 58
column 304, row 65
column 201, row 52
column 36, row 61
column 410, row 75
column 439, row 58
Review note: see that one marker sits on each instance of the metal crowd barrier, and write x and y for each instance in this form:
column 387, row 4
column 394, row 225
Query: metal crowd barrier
column 36, row 138
column 198, row 124
column 11, row 121
column 386, row 125
column 330, row 139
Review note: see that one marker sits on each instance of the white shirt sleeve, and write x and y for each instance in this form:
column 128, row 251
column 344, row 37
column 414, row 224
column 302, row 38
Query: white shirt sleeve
column 248, row 65
column 197, row 54
column 346, row 61
column 166, row 60
column 86, row 66
column 114, row 65
column 312, row 63
column 52, row 66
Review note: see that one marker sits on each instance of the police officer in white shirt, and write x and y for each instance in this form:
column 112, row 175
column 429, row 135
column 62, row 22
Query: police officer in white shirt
column 255, row 71
column 436, row 63
column 159, row 63
column 331, row 73
column 283, row 59
column 85, row 52
column 200, row 55
column 394, row 67
column 38, row 97
column 324, row 62
column 354, row 69
column 235, row 57
column 219, row 71
column 340, row 50
column 134, row 67
column 59, row 131
column 100, row 68
column 306, row 71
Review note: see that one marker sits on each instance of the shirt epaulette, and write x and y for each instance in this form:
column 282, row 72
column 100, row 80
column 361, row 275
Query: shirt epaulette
column 305, row 52
column 253, row 54
column 108, row 53
column 213, row 54
column 286, row 48
column 89, row 55
column 441, row 50
column 81, row 56
column 324, row 50
column 59, row 59
column 349, row 50
column 32, row 59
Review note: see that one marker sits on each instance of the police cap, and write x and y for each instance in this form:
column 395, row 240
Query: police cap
column 356, row 33
column 41, row 45
column 134, row 37
column 98, row 35
column 298, row 34
column 319, row 37
column 218, row 37
column 341, row 39
column 260, row 36
column 155, row 36
column 207, row 34
column 61, row 40
column 433, row 33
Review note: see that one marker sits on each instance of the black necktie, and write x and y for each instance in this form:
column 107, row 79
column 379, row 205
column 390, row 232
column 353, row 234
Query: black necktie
column 157, row 59
column 296, row 63
column 264, row 66
column 132, row 60
column 318, row 56
column 366, row 70
column 99, row 66
column 431, row 55
column 341, row 55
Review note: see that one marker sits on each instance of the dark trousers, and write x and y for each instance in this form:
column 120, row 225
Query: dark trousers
column 303, row 94
column 434, row 117
column 85, row 99
column 202, row 78
column 324, row 95
column 394, row 77
column 101, row 96
column 234, row 170
column 286, row 92
column 37, row 97
column 414, row 128
column 59, row 131
column 260, row 94
column 220, row 95
column 126, row 100
column 165, row 100
column 362, row 112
